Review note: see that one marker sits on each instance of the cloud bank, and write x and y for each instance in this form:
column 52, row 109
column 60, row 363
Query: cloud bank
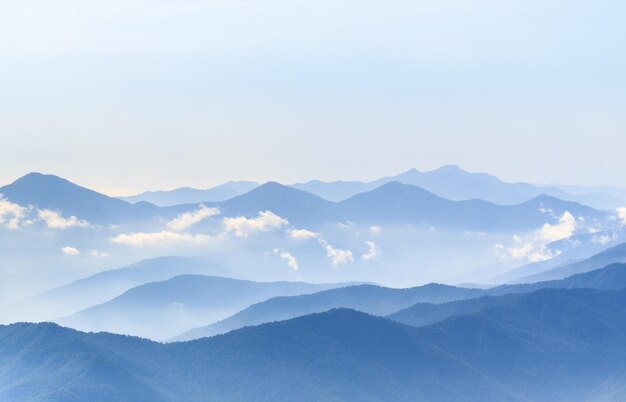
column 243, row 227
column 157, row 239
column 67, row 250
column 188, row 219
column 302, row 234
column 11, row 215
column 535, row 247
column 621, row 213
column 54, row 220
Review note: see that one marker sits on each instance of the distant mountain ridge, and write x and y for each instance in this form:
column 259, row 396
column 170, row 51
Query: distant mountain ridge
column 390, row 203
column 54, row 193
column 450, row 182
column 456, row 184
column 187, row 195
column 401, row 203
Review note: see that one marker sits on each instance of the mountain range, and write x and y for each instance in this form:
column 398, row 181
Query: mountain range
column 449, row 182
column 543, row 346
column 393, row 203
column 188, row 195
column 183, row 302
column 58, row 194
column 384, row 301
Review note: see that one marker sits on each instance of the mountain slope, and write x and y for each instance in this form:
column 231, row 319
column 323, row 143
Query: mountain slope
column 54, row 193
column 367, row 298
column 103, row 286
column 612, row 277
column 396, row 203
column 453, row 183
column 616, row 254
column 545, row 346
column 385, row 301
column 299, row 207
column 183, row 302
column 391, row 203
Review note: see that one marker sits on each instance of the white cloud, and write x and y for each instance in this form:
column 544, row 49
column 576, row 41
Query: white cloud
column 375, row 229
column 265, row 222
column 188, row 219
column 302, row 234
column 372, row 252
column 67, row 250
column 11, row 214
column 291, row 260
column 99, row 254
column 604, row 238
column 338, row 256
column 54, row 220
column 157, row 239
column 621, row 214
column 534, row 247
column 565, row 228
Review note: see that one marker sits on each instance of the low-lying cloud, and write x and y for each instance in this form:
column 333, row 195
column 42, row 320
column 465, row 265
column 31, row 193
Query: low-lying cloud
column 621, row 214
column 243, row 227
column 158, row 239
column 338, row 256
column 188, row 219
column 11, row 214
column 54, row 220
column 302, row 234
column 375, row 229
column 292, row 262
column 535, row 248
column 68, row 250
column 372, row 252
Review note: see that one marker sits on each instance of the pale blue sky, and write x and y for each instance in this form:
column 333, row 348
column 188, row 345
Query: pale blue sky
column 130, row 95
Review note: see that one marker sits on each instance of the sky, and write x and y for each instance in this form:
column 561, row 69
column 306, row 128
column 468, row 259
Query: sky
column 129, row 95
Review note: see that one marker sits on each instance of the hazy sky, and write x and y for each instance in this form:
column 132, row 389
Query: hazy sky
column 125, row 95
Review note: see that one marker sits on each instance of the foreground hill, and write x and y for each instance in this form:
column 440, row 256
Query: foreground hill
column 160, row 310
column 545, row 346
column 384, row 301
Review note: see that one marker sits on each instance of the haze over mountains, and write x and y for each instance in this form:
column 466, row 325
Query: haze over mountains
column 183, row 302
column 391, row 202
column 279, row 292
column 288, row 232
column 384, row 301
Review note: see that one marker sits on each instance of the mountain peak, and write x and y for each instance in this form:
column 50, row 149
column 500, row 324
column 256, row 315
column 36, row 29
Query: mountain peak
column 450, row 168
column 47, row 191
column 37, row 177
